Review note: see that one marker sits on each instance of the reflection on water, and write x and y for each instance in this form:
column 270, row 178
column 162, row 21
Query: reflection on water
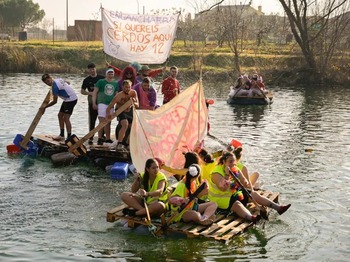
column 300, row 145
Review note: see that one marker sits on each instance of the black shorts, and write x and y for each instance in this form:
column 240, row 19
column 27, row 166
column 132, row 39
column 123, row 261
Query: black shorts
column 126, row 115
column 244, row 201
column 67, row 107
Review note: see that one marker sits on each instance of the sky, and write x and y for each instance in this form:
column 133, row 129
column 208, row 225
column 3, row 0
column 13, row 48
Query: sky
column 90, row 9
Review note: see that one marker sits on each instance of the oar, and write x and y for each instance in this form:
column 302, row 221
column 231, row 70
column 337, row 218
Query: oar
column 76, row 143
column 236, row 92
column 263, row 211
column 218, row 140
column 152, row 228
column 182, row 209
column 235, row 143
column 24, row 143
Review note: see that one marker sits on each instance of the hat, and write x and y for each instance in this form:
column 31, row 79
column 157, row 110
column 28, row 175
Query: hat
column 144, row 68
column 109, row 70
column 136, row 65
column 194, row 170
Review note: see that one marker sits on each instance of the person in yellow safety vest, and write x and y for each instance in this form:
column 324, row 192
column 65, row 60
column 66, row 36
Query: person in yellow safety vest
column 207, row 164
column 224, row 191
column 253, row 177
column 199, row 213
column 152, row 185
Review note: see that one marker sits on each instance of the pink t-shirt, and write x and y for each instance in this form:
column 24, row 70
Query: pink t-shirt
column 143, row 99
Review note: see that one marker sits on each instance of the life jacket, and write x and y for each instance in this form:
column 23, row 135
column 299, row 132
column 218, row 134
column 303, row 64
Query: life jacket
column 215, row 194
column 183, row 192
column 154, row 187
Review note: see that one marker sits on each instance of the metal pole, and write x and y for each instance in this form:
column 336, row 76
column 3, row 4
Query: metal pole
column 53, row 30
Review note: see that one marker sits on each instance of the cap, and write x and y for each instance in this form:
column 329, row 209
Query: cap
column 144, row 68
column 136, row 65
column 109, row 70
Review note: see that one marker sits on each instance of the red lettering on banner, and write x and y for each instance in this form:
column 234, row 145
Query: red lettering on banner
column 162, row 37
column 166, row 122
column 137, row 48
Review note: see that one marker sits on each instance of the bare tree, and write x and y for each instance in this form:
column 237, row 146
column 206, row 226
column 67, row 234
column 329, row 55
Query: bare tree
column 310, row 22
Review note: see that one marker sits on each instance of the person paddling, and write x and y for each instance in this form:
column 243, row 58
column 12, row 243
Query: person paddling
column 227, row 193
column 62, row 89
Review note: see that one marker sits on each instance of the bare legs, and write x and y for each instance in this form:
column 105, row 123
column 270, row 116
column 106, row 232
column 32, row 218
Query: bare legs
column 205, row 211
column 64, row 120
column 136, row 202
column 106, row 129
column 124, row 126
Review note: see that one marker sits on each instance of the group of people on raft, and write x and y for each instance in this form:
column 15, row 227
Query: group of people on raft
column 222, row 177
column 108, row 92
column 248, row 86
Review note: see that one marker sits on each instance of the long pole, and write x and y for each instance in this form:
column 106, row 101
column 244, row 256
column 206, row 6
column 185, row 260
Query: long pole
column 138, row 7
column 67, row 19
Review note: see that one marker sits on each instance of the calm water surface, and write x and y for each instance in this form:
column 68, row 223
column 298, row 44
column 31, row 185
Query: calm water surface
column 49, row 213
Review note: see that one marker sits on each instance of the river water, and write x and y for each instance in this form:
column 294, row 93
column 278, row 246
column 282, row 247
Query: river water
column 300, row 145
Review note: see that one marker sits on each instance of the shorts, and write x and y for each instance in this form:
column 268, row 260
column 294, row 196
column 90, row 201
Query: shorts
column 101, row 108
column 234, row 198
column 67, row 107
column 126, row 115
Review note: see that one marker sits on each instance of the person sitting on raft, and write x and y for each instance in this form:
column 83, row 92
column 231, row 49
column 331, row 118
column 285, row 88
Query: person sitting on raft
column 151, row 185
column 225, row 191
column 253, row 178
column 199, row 213
column 179, row 173
column 207, row 163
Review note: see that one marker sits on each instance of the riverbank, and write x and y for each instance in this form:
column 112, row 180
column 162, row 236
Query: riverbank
column 279, row 64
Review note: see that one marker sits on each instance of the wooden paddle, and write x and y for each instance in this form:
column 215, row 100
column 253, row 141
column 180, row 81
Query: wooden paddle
column 152, row 228
column 35, row 122
column 74, row 145
column 263, row 211
column 218, row 140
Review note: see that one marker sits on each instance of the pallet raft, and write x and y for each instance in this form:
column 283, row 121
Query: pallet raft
column 50, row 147
column 223, row 229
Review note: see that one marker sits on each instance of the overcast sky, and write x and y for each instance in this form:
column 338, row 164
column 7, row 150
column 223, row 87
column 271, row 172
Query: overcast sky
column 89, row 9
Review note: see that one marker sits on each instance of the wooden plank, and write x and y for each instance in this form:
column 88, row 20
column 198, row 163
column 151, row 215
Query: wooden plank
column 49, row 139
column 35, row 122
column 223, row 229
column 100, row 126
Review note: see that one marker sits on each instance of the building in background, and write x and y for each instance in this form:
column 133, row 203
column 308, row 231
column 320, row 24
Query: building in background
column 85, row 30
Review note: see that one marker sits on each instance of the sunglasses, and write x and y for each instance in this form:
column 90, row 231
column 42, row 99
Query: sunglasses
column 128, row 73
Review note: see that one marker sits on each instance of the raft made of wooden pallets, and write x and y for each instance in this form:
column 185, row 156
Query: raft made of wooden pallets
column 224, row 228
column 50, row 147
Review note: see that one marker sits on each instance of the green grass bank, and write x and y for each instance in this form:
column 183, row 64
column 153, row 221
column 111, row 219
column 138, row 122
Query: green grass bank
column 279, row 64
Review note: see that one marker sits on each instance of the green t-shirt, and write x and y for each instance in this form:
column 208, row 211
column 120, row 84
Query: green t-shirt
column 106, row 91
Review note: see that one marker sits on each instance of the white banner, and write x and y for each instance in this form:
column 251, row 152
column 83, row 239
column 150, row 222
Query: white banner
column 170, row 130
column 146, row 39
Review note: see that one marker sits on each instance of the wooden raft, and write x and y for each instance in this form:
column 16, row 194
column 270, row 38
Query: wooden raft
column 94, row 150
column 223, row 229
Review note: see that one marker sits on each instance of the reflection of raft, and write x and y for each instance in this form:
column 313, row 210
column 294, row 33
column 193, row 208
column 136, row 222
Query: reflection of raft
column 223, row 229
column 245, row 100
